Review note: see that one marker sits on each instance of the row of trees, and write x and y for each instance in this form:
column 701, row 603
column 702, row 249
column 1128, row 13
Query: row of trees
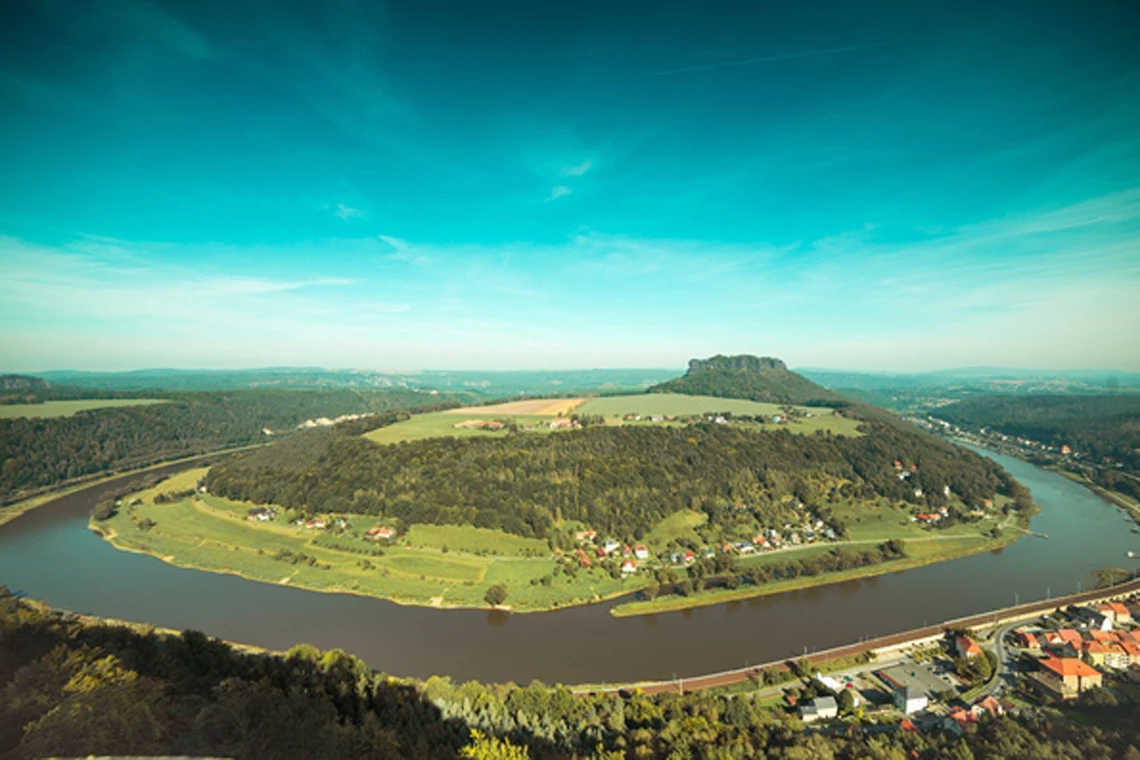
column 619, row 480
column 72, row 689
column 38, row 452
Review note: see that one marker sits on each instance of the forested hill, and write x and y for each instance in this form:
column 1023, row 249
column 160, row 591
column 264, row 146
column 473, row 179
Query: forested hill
column 36, row 453
column 620, row 480
column 749, row 377
column 1099, row 426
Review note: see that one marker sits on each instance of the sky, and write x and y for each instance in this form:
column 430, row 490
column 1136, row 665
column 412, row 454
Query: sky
column 499, row 185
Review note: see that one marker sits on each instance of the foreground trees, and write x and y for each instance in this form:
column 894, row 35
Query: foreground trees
column 72, row 689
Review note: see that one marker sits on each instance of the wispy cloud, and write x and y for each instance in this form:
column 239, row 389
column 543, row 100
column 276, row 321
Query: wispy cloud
column 559, row 191
column 1052, row 287
column 761, row 59
column 578, row 170
column 347, row 213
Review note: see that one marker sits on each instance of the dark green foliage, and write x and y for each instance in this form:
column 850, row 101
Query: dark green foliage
column 496, row 595
column 71, row 689
column 35, row 453
column 618, row 480
column 748, row 377
column 1097, row 426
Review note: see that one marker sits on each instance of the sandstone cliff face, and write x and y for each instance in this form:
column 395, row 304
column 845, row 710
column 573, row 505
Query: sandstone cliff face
column 742, row 361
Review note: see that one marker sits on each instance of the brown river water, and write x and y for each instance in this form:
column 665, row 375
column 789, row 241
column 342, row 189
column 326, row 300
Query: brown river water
column 51, row 555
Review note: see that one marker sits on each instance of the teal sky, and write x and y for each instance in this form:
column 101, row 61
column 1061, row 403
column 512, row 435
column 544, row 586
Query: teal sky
column 895, row 186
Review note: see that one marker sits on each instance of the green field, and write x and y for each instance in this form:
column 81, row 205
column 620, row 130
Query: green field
column 68, row 408
column 211, row 533
column 678, row 525
column 443, row 424
column 822, row 418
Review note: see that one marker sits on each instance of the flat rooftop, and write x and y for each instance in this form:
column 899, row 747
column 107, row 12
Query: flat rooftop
column 918, row 676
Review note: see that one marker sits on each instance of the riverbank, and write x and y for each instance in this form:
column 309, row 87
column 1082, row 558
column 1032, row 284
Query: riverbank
column 15, row 509
column 433, row 566
column 924, row 556
column 1129, row 505
column 452, row 567
column 876, row 647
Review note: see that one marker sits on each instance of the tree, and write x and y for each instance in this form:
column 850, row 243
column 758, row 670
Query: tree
column 496, row 595
column 487, row 748
column 846, row 701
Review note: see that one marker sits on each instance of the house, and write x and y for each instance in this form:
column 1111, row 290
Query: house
column 316, row 522
column 563, row 422
column 611, row 546
column 261, row 514
column 689, row 558
column 626, row 551
column 1132, row 650
column 989, row 705
column 1106, row 655
column 586, row 536
column 641, row 551
column 1116, row 612
column 822, row 708
column 1027, row 640
column 583, row 559
column 1089, row 618
column 966, row 647
column 988, row 503
column 910, row 700
column 380, row 533
column 1067, row 678
column 1066, row 450
column 1060, row 638
column 628, row 567
column 898, row 465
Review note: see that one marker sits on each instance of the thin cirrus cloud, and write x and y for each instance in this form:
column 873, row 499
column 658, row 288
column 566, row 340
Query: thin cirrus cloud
column 347, row 213
column 559, row 191
column 1042, row 284
column 578, row 170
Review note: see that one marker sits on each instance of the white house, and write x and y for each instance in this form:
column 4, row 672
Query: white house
column 823, row 708
column 910, row 700
column 610, row 546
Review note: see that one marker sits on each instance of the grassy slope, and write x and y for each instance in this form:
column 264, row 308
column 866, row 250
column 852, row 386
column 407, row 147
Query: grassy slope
column 212, row 534
column 442, row 424
column 68, row 408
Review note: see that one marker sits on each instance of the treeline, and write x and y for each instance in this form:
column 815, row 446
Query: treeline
column 723, row 571
column 1099, row 426
column 73, row 689
column 36, row 453
column 619, row 480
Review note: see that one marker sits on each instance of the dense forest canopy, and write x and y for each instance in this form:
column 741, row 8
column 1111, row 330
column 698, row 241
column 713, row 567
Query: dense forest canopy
column 36, row 453
column 72, row 689
column 749, row 377
column 1099, row 426
column 620, row 480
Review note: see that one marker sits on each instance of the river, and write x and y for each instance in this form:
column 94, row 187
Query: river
column 51, row 555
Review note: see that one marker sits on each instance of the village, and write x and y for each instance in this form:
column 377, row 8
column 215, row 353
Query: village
column 951, row 681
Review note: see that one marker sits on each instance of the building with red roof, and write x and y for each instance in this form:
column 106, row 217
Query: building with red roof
column 967, row 647
column 1067, row 677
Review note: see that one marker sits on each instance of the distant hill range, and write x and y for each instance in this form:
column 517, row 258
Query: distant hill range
column 759, row 378
column 20, row 383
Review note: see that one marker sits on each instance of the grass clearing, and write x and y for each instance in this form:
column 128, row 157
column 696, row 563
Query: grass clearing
column 212, row 533
column 676, row 526
column 645, row 404
column 544, row 407
column 472, row 540
column 446, row 424
column 50, row 409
